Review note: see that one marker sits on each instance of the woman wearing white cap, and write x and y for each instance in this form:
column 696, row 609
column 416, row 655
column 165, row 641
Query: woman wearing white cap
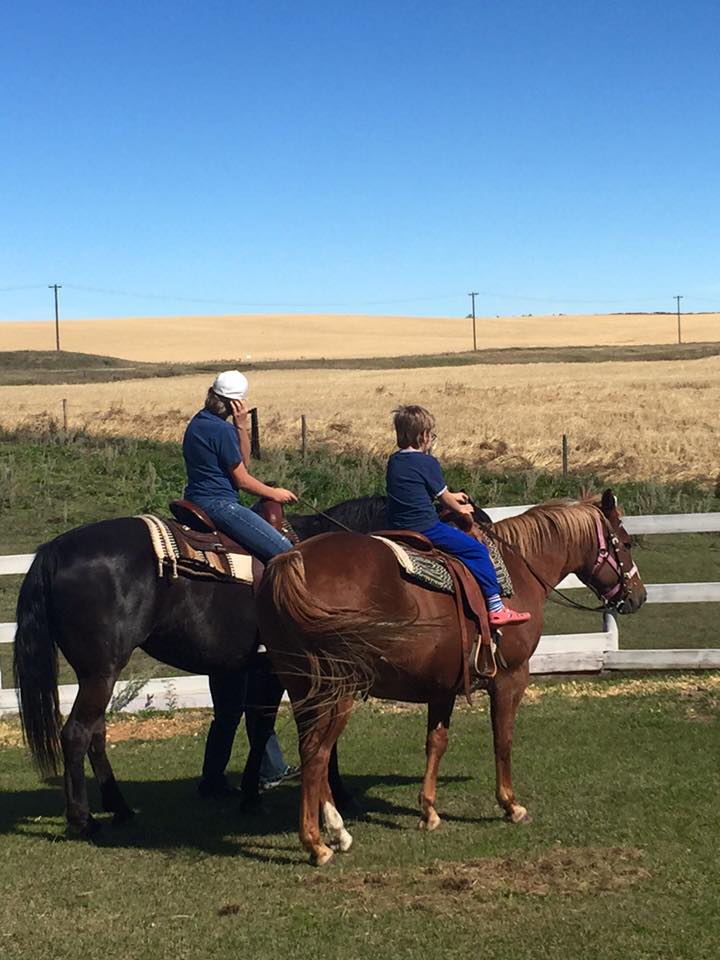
column 216, row 456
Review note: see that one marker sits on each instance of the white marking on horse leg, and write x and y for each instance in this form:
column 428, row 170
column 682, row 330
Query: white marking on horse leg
column 335, row 826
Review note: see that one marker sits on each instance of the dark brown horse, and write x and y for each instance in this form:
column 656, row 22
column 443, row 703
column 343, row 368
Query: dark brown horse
column 339, row 619
column 94, row 594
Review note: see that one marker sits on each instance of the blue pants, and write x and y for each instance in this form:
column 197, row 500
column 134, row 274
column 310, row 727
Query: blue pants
column 245, row 526
column 473, row 554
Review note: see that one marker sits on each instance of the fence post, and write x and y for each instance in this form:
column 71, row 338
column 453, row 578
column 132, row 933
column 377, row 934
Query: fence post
column 303, row 435
column 255, row 435
column 65, row 418
column 565, row 455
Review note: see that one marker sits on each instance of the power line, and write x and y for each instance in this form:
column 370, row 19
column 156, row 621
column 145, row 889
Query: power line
column 34, row 286
column 238, row 302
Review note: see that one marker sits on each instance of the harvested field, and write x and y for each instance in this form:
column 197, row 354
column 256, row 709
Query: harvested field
column 267, row 337
column 632, row 420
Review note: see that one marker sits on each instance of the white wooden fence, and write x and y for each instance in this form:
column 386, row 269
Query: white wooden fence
column 560, row 653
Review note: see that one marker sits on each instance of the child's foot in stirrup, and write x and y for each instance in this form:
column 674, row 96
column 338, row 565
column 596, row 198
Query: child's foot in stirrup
column 507, row 617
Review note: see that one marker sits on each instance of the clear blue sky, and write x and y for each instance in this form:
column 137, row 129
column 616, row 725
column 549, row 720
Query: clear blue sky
column 369, row 157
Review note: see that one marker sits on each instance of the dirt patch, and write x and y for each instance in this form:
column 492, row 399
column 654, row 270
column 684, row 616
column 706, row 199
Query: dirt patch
column 185, row 723
column 562, row 871
column 10, row 734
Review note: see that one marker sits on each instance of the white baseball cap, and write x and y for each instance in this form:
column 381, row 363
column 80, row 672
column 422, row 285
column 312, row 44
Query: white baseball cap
column 231, row 384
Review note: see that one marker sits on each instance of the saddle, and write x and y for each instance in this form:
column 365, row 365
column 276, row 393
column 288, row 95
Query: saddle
column 192, row 545
column 478, row 657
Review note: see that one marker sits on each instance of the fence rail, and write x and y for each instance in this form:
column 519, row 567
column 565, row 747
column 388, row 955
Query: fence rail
column 558, row 653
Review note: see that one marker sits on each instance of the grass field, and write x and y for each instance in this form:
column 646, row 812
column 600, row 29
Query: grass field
column 634, row 420
column 268, row 337
column 621, row 860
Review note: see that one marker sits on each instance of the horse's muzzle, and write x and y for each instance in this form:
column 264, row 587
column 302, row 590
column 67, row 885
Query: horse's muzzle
column 633, row 599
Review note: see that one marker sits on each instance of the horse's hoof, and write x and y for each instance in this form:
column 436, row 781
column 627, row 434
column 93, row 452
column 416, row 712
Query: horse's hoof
column 343, row 843
column 122, row 816
column 321, row 856
column 84, row 831
column 429, row 823
column 518, row 814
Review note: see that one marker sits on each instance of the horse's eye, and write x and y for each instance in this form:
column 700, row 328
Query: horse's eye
column 627, row 545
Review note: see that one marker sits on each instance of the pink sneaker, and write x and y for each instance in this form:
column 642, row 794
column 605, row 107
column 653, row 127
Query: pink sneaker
column 507, row 617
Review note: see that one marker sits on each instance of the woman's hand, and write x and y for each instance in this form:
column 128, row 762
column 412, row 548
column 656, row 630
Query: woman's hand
column 462, row 497
column 281, row 495
column 240, row 413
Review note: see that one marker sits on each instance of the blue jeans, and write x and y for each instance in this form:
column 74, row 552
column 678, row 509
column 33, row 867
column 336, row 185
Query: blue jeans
column 473, row 554
column 245, row 526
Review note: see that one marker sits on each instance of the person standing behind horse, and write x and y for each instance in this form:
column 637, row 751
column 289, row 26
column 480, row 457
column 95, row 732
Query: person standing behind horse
column 414, row 480
column 216, row 457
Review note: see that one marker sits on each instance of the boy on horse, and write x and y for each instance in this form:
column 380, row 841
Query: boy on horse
column 414, row 480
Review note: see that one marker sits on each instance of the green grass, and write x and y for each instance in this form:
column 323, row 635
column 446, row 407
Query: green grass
column 620, row 859
column 48, row 366
column 50, row 482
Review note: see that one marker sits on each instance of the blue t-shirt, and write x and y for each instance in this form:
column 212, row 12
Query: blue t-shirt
column 211, row 449
column 413, row 481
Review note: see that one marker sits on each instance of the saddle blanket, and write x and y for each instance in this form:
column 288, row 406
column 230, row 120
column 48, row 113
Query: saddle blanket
column 434, row 574
column 191, row 562
column 424, row 570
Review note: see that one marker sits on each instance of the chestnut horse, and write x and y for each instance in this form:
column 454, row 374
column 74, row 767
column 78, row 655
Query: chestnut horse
column 339, row 619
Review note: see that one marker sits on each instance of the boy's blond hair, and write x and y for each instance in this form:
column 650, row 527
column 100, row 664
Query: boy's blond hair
column 411, row 422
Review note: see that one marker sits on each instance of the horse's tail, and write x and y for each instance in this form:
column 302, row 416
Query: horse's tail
column 334, row 648
column 35, row 663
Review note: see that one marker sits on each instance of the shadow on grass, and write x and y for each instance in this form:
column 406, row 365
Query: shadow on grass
column 171, row 816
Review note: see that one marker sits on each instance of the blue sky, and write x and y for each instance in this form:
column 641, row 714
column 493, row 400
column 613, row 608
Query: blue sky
column 220, row 157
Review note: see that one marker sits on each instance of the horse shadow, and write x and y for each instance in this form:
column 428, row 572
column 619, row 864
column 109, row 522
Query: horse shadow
column 171, row 816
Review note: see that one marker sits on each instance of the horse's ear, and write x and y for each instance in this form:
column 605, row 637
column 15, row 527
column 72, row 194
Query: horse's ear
column 608, row 503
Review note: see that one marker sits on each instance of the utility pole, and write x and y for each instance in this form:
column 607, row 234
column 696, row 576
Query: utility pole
column 679, row 298
column 472, row 296
column 56, row 287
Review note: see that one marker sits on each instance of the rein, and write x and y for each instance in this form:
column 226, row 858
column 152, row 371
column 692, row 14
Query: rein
column 320, row 513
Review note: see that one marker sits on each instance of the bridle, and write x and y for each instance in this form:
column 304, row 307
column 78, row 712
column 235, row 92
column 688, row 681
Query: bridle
column 611, row 556
column 608, row 552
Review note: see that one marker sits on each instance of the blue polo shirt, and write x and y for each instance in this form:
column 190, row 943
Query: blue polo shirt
column 211, row 449
column 413, row 481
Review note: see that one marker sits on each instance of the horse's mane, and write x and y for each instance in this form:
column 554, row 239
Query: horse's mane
column 538, row 528
column 363, row 514
column 360, row 512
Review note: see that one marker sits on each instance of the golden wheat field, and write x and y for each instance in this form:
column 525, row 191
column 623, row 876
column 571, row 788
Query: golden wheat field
column 626, row 420
column 186, row 339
